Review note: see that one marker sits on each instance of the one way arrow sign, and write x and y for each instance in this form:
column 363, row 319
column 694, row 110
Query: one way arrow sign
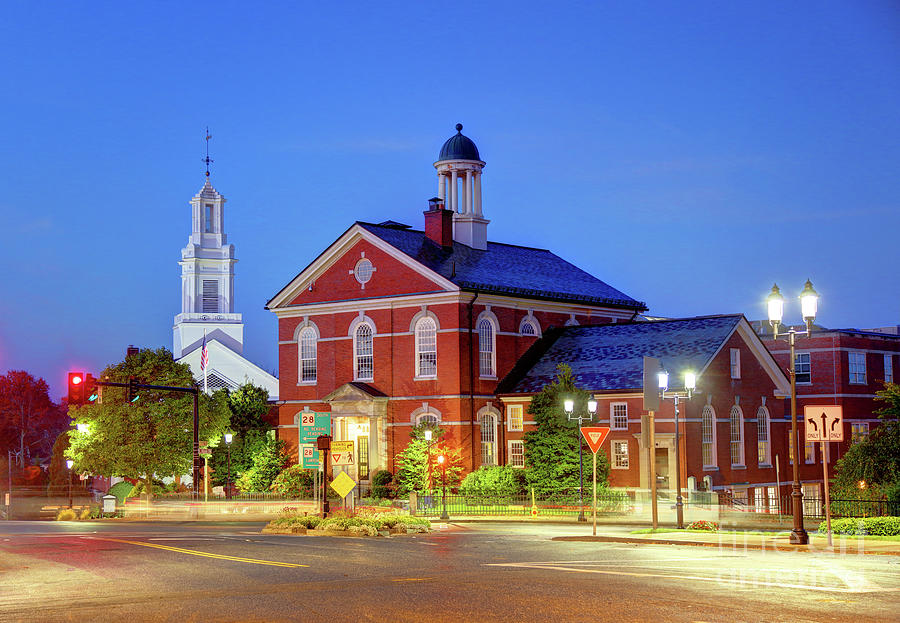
column 595, row 436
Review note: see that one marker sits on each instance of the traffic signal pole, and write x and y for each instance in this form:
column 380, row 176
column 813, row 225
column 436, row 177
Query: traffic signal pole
column 197, row 461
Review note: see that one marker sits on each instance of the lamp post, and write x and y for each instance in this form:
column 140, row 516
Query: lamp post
column 569, row 406
column 442, row 461
column 690, row 384
column 228, row 438
column 69, row 464
column 809, row 300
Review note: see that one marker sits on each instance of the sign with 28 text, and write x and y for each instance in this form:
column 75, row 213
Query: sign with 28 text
column 314, row 424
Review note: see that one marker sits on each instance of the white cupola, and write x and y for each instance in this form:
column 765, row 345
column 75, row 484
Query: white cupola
column 459, row 185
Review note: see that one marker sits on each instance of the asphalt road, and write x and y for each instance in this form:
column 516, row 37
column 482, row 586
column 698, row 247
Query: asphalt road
column 462, row 572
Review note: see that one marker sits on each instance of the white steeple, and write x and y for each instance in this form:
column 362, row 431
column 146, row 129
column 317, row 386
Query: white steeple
column 207, row 279
column 459, row 184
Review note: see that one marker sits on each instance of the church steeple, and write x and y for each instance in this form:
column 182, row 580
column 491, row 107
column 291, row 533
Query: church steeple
column 459, row 168
column 207, row 277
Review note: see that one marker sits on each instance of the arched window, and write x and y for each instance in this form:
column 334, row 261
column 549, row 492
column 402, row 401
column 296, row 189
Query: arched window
column 488, row 439
column 736, row 419
column 486, row 358
column 762, row 436
column 308, row 355
column 528, row 328
column 426, row 347
column 362, row 345
column 708, row 435
column 429, row 420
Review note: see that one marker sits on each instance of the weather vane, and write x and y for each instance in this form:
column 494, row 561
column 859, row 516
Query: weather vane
column 207, row 160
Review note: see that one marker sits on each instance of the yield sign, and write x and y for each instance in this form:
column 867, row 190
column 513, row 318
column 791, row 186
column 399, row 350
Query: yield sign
column 595, row 436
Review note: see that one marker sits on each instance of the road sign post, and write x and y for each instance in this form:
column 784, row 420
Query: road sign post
column 824, row 423
column 595, row 436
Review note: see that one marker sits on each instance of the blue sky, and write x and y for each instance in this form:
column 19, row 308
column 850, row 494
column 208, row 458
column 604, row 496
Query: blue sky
column 689, row 154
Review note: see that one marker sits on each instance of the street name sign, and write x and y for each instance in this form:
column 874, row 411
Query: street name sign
column 342, row 453
column 313, row 424
column 595, row 436
column 824, row 422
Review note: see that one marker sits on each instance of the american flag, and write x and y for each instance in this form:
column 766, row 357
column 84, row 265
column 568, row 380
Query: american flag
column 204, row 354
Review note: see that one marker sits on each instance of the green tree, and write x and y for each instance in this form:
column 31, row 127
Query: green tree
column 414, row 466
column 875, row 460
column 154, row 434
column 29, row 420
column 267, row 464
column 248, row 405
column 551, row 449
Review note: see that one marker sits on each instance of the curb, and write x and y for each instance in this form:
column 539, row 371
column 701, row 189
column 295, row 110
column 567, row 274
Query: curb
column 775, row 547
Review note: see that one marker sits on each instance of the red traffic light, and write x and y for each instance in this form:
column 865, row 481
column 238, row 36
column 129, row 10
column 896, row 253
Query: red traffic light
column 76, row 388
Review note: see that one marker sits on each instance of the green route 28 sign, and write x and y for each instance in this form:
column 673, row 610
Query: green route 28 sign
column 313, row 424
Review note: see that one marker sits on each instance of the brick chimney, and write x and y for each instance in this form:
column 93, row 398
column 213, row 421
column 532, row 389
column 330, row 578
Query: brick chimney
column 439, row 223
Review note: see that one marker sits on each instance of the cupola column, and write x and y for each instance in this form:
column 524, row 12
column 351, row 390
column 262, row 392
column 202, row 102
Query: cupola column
column 478, row 193
column 459, row 168
column 454, row 191
column 441, row 184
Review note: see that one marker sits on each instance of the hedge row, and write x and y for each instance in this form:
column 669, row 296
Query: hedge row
column 376, row 523
column 880, row 526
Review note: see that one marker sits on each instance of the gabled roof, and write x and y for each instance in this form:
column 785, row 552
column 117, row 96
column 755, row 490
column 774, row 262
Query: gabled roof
column 504, row 269
column 610, row 357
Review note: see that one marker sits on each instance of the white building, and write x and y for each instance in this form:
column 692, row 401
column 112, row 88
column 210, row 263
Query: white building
column 207, row 302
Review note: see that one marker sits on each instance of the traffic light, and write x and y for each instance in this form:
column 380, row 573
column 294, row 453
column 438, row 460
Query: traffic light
column 132, row 389
column 91, row 391
column 76, row 388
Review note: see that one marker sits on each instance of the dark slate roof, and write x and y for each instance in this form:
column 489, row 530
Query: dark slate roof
column 505, row 269
column 459, row 147
column 610, row 357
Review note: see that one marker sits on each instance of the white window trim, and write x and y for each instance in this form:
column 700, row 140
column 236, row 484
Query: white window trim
column 419, row 376
column 809, row 382
column 494, row 414
column 743, row 439
column 612, row 416
column 509, row 446
column 533, row 322
column 735, row 363
column 888, row 368
column 509, row 427
column 488, row 316
column 356, row 376
column 305, row 330
column 713, row 443
column 765, row 460
column 612, row 449
column 425, row 410
column 865, row 371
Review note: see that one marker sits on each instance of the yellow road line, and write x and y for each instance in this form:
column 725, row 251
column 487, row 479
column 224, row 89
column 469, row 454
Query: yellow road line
column 192, row 552
column 411, row 579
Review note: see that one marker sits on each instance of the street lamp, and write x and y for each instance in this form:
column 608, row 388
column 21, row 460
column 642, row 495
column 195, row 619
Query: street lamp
column 69, row 464
column 809, row 301
column 569, row 406
column 442, row 461
column 690, row 384
column 228, row 438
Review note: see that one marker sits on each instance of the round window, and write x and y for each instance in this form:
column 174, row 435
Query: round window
column 363, row 270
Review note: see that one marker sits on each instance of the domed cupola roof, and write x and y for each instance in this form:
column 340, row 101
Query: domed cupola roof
column 459, row 147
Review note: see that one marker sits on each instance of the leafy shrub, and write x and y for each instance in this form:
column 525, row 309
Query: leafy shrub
column 363, row 530
column 294, row 482
column 880, row 526
column 706, row 526
column 499, row 480
column 381, row 481
column 141, row 488
column 267, row 465
column 89, row 512
column 66, row 514
column 292, row 520
column 121, row 490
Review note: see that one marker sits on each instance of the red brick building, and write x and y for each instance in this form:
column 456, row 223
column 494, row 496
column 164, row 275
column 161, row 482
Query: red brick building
column 734, row 431
column 392, row 326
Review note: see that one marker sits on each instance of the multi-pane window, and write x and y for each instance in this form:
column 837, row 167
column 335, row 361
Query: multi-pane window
column 802, row 368
column 426, row 347
column 428, row 420
column 364, row 352
column 514, row 417
column 363, row 271
column 488, row 440
column 210, row 296
column 517, row 453
column 620, row 454
column 618, row 416
column 858, row 431
column 528, row 328
column 762, row 436
column 362, row 456
column 308, row 355
column 737, row 435
column 735, row 363
column 809, row 452
column 773, row 499
column 857, row 367
column 708, row 435
column 486, row 348
column 888, row 369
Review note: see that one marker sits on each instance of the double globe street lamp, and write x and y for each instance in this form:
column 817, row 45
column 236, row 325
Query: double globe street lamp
column 690, row 384
column 569, row 407
column 809, row 302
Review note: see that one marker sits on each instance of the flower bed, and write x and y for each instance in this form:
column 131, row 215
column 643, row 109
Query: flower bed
column 362, row 524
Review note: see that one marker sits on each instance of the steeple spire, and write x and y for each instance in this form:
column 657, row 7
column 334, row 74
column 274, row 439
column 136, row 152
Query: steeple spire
column 207, row 160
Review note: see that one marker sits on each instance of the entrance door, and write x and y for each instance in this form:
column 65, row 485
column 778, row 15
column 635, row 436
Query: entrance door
column 662, row 468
